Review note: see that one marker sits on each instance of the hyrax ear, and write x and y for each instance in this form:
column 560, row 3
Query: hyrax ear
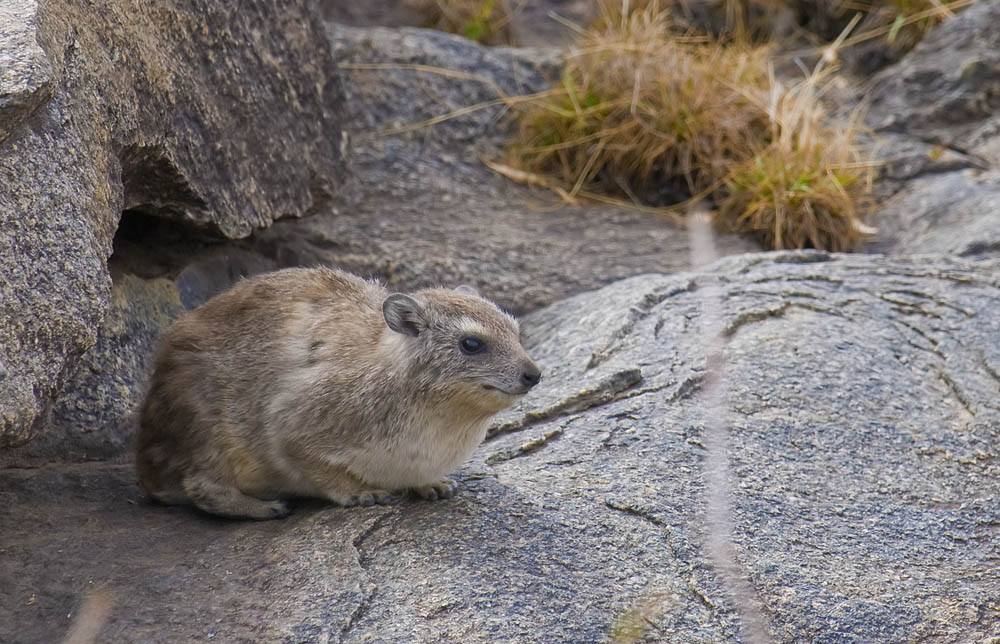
column 404, row 314
column 465, row 289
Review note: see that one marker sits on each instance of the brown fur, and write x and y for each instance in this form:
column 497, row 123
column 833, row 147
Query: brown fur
column 314, row 382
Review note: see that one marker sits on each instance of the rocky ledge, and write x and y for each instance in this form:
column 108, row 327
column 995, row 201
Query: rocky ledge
column 863, row 424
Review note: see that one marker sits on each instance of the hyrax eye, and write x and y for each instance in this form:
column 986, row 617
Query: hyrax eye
column 470, row 345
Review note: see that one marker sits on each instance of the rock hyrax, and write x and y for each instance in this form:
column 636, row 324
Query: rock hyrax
column 314, row 382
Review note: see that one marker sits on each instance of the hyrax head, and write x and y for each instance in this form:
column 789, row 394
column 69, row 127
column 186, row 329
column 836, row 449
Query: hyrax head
column 462, row 346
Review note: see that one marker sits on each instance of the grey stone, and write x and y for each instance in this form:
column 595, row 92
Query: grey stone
column 905, row 158
column 544, row 23
column 25, row 73
column 938, row 136
column 374, row 13
column 944, row 91
column 533, row 23
column 863, row 419
column 863, row 423
column 93, row 419
column 468, row 74
column 217, row 117
column 952, row 212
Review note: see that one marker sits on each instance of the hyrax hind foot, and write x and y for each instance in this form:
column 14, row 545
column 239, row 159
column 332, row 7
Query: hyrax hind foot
column 443, row 489
column 227, row 501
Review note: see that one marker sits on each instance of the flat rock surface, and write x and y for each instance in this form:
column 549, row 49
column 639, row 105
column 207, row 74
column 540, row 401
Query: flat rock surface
column 863, row 424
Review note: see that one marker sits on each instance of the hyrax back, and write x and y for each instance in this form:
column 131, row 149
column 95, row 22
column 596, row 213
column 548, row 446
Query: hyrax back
column 314, row 382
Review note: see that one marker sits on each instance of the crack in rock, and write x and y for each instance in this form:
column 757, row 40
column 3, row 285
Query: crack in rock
column 993, row 373
column 687, row 388
column 637, row 313
column 637, row 512
column 368, row 587
column 942, row 372
column 530, row 447
column 936, row 300
column 923, row 334
column 907, row 308
column 750, row 317
column 686, row 568
column 971, row 159
column 956, row 391
column 607, row 391
column 798, row 278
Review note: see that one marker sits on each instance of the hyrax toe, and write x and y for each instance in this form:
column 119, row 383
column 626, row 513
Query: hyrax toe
column 278, row 509
column 216, row 497
column 373, row 497
column 365, row 498
column 443, row 489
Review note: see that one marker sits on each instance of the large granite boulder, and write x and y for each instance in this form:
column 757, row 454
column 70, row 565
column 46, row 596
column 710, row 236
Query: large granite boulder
column 863, row 423
column 218, row 116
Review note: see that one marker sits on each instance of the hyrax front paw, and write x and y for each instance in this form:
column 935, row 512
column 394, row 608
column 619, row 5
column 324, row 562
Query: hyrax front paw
column 277, row 510
column 443, row 489
column 367, row 497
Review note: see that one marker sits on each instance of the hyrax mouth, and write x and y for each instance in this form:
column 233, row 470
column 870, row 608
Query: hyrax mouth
column 504, row 391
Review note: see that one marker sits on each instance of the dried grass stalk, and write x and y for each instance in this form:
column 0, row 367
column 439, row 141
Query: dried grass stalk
column 640, row 105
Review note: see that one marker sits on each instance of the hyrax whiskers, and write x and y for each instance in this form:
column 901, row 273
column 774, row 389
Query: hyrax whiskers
column 314, row 382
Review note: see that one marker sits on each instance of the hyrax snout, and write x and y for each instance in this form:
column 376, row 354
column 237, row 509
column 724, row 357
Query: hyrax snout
column 314, row 382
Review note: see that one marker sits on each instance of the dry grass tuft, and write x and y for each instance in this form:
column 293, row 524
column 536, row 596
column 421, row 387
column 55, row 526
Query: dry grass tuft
column 640, row 107
column 485, row 21
column 806, row 186
column 637, row 104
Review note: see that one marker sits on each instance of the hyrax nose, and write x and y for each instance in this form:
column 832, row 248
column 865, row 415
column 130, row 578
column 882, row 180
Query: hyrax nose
column 530, row 376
